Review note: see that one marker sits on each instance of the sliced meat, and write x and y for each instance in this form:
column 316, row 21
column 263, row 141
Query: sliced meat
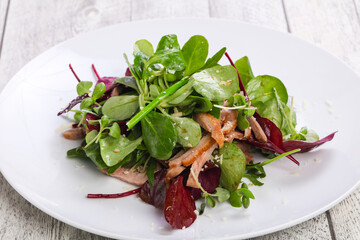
column 212, row 125
column 229, row 120
column 247, row 133
column 115, row 91
column 129, row 176
column 198, row 164
column 175, row 167
column 246, row 149
column 257, row 130
column 194, row 153
column 74, row 133
column 234, row 135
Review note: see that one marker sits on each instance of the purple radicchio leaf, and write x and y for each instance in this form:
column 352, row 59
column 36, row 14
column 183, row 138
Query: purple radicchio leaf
column 155, row 195
column 209, row 179
column 307, row 146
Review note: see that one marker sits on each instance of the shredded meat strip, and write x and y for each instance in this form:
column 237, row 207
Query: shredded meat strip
column 198, row 164
column 229, row 119
column 246, row 149
column 257, row 130
column 129, row 176
column 212, row 125
column 175, row 167
column 74, row 133
column 234, row 135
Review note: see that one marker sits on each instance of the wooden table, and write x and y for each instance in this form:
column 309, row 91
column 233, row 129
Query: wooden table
column 28, row 28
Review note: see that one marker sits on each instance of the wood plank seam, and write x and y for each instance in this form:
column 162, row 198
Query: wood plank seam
column 331, row 226
column 4, row 26
column 286, row 17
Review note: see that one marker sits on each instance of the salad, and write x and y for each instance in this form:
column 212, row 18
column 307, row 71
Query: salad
column 183, row 128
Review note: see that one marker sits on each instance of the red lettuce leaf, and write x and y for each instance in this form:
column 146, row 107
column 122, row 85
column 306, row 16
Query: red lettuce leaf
column 179, row 205
column 91, row 127
column 307, row 146
column 209, row 179
column 155, row 195
column 73, row 103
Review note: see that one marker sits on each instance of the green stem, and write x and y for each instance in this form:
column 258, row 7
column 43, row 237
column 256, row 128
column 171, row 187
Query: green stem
column 140, row 115
column 273, row 159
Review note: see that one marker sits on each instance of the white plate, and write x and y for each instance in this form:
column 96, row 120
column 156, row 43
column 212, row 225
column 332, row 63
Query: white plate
column 33, row 155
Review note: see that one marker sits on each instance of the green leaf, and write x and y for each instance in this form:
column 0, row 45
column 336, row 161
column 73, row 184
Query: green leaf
column 232, row 166
column 86, row 103
column 216, row 83
column 244, row 69
column 245, row 201
column 168, row 54
column 222, row 194
column 76, row 153
column 99, row 90
column 242, row 122
column 246, row 192
column 115, row 130
column 128, row 81
column 121, row 107
column 159, row 135
column 154, row 90
column 235, row 199
column 143, row 46
column 211, row 201
column 150, row 171
column 83, row 87
column 211, row 62
column 114, row 150
column 188, row 131
column 253, row 179
column 195, row 52
column 260, row 89
column 90, row 136
column 93, row 152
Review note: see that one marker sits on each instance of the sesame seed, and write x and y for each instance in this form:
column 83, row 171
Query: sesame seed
column 116, row 150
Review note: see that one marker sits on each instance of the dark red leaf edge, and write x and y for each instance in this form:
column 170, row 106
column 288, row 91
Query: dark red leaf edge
column 179, row 209
column 209, row 179
column 307, row 146
column 275, row 139
column 155, row 195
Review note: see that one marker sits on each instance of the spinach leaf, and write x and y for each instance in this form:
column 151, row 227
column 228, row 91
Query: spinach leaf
column 232, row 166
column 83, row 87
column 114, row 130
column 260, row 89
column 76, row 153
column 143, row 46
column 244, row 69
column 114, row 150
column 159, row 135
column 216, row 83
column 128, row 81
column 200, row 104
column 93, row 152
column 188, row 131
column 99, row 90
column 121, row 107
column 211, row 62
column 150, row 170
column 195, row 52
column 168, row 54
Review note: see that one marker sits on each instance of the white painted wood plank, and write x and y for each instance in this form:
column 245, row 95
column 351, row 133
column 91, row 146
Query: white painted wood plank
column 316, row 228
column 333, row 25
column 51, row 23
column 3, row 8
column 346, row 217
column 144, row 9
column 260, row 12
